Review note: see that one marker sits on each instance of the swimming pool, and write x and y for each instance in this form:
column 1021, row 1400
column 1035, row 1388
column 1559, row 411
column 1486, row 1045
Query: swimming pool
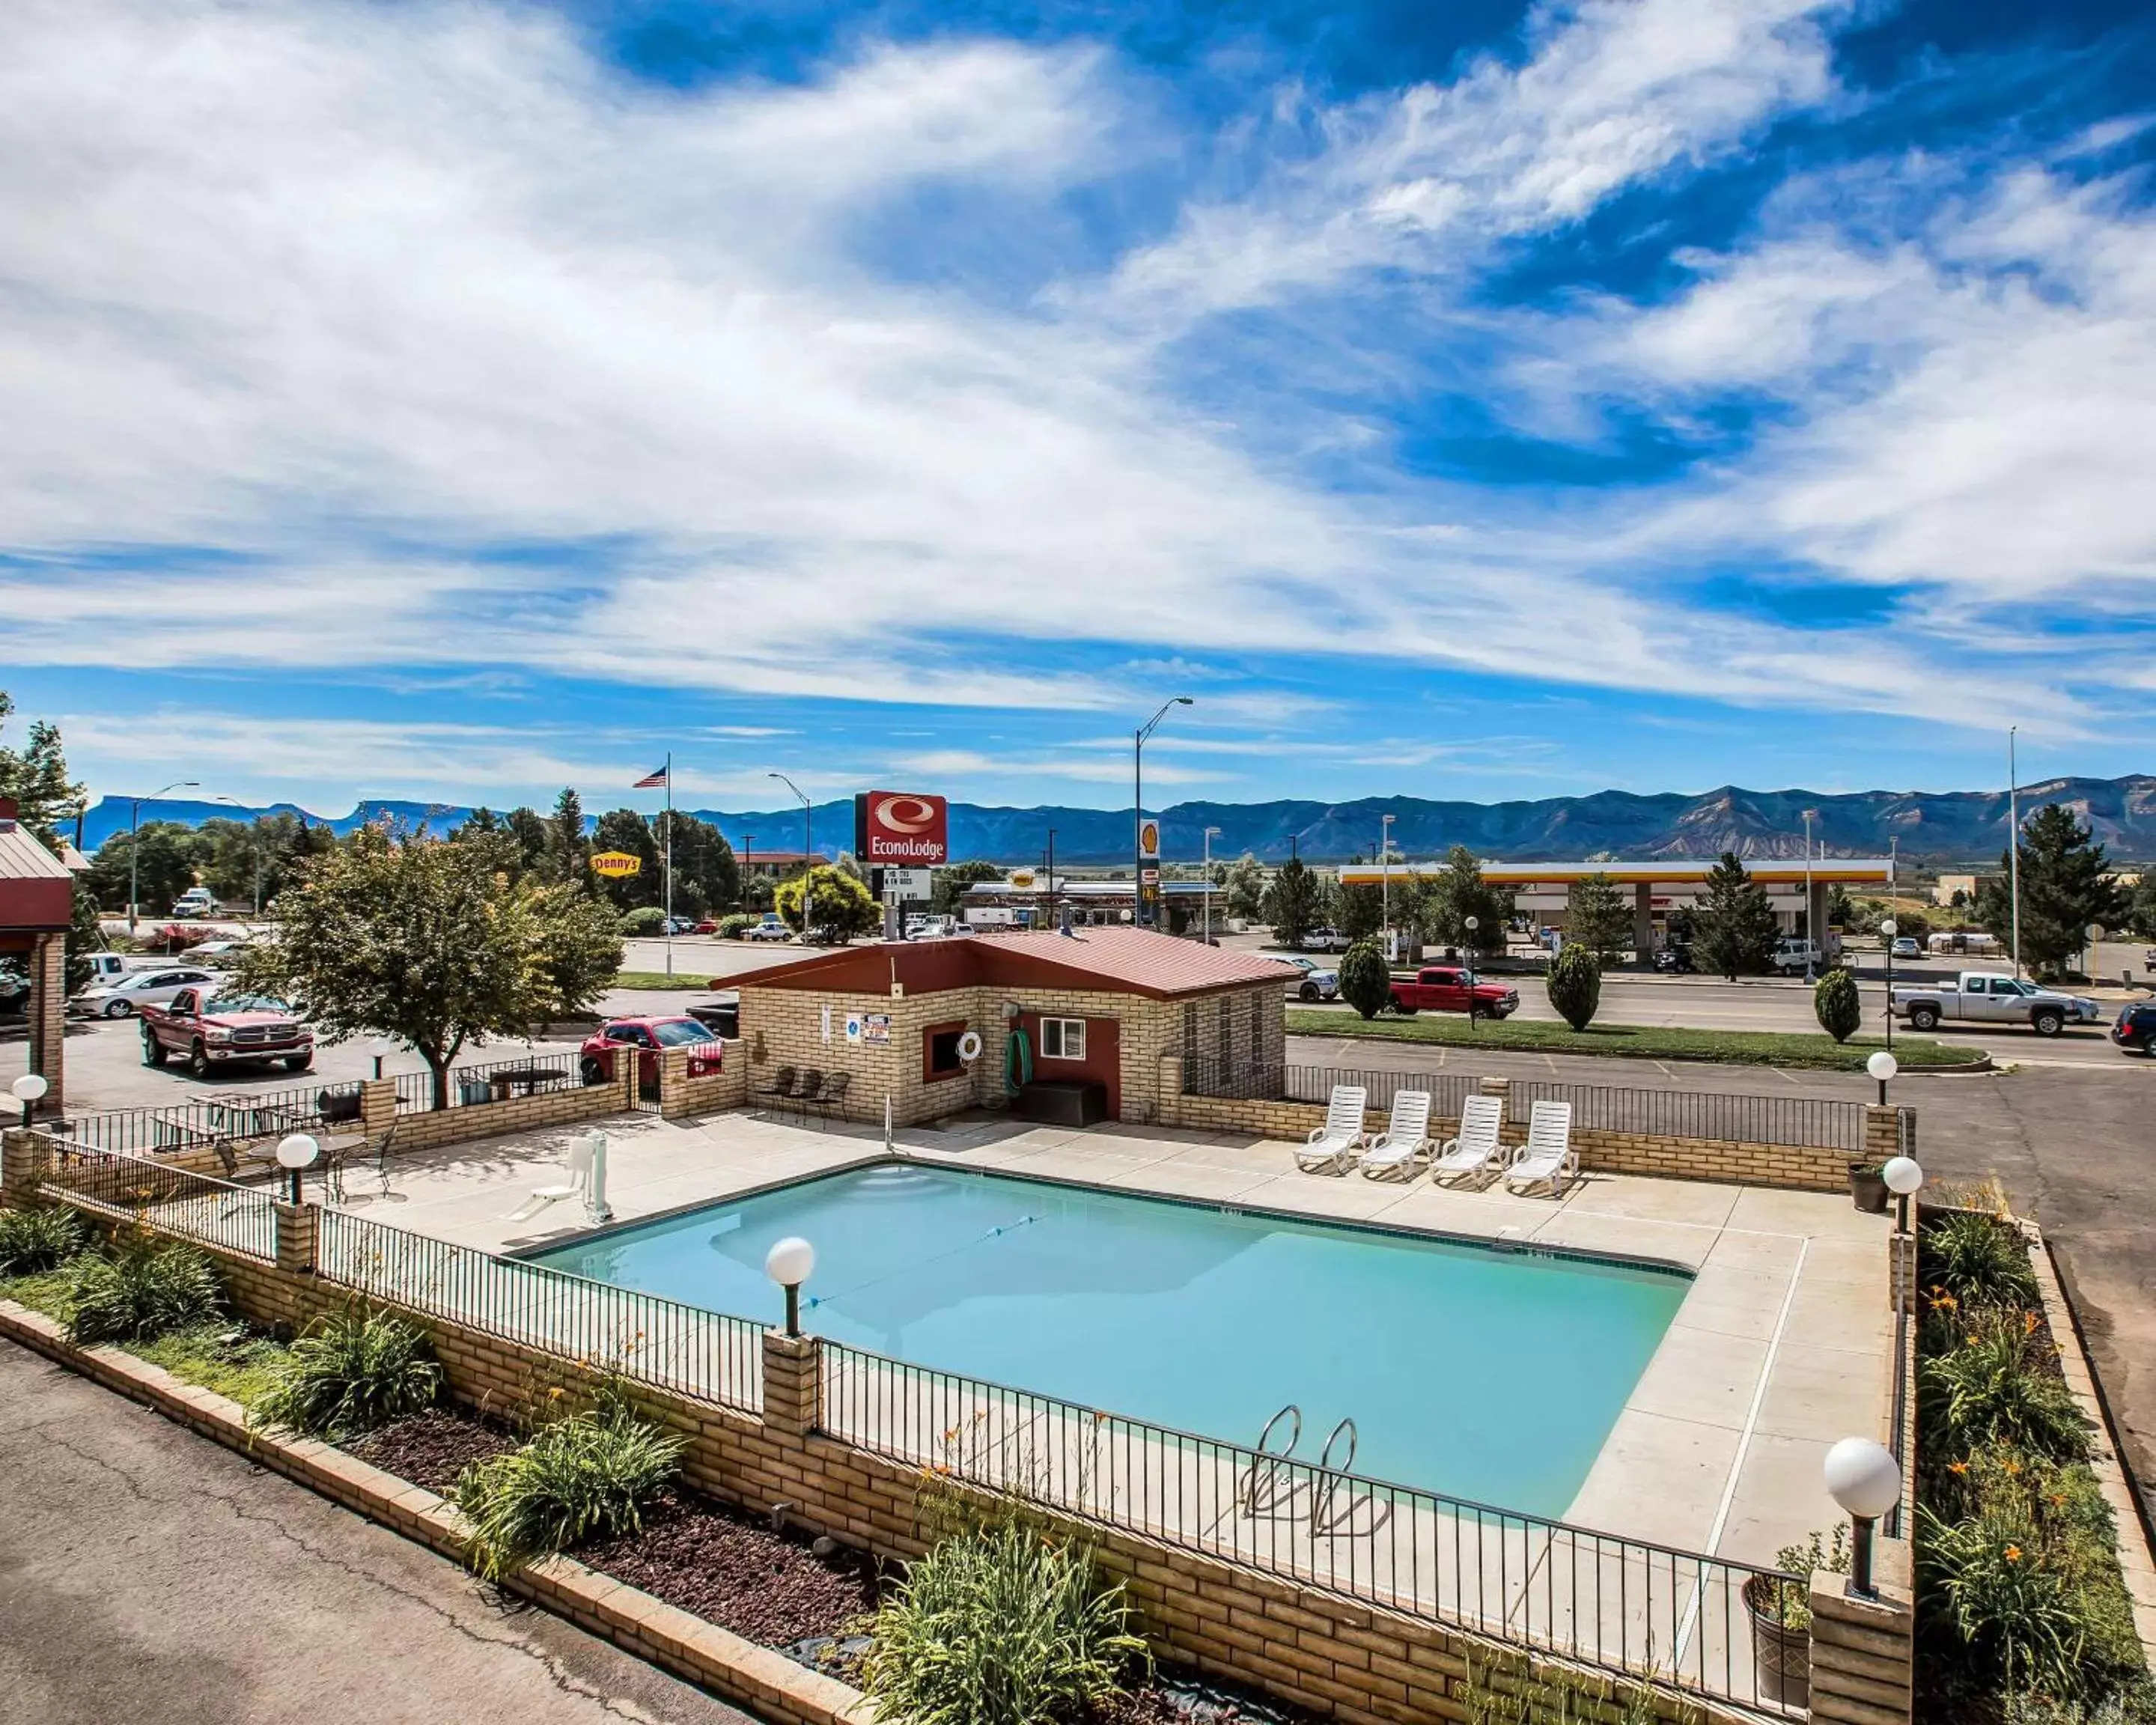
column 1468, row 1370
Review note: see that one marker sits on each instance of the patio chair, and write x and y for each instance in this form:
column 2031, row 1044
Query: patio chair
column 1397, row 1152
column 810, row 1094
column 1332, row 1147
column 578, row 1167
column 781, row 1087
column 1476, row 1150
column 832, row 1101
column 1547, row 1158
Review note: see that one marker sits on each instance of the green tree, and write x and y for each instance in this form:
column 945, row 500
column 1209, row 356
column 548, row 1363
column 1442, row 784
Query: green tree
column 1457, row 892
column 948, row 894
column 1366, row 980
column 840, row 903
column 1575, row 983
column 707, row 876
column 567, row 845
column 1597, row 918
column 2143, row 909
column 1361, row 912
column 2065, row 886
column 1291, row 903
column 1733, row 925
column 1840, row 908
column 37, row 778
column 1245, row 884
column 1836, row 1004
column 169, row 854
column 529, row 828
column 427, row 942
column 626, row 830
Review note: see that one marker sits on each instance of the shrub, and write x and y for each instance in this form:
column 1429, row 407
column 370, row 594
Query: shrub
column 1980, row 1260
column 1837, row 1005
column 589, row 1474
column 1366, row 980
column 40, row 1237
column 732, row 925
column 355, row 1370
column 1000, row 1626
column 645, row 919
column 139, row 1288
column 1993, row 1390
column 1789, row 1602
column 1988, row 1584
column 1575, row 985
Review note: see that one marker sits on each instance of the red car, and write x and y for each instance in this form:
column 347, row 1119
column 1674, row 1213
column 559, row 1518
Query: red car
column 208, row 1029
column 647, row 1036
column 1447, row 987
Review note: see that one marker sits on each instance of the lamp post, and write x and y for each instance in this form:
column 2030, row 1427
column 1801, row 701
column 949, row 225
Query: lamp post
column 1864, row 1478
column 1141, row 915
column 2014, row 849
column 295, row 1155
column 29, row 1090
column 748, row 868
column 1811, row 922
column 255, row 835
column 1385, row 880
column 1211, row 834
column 2094, row 933
column 1470, row 924
column 1888, row 928
column 135, row 842
column 808, row 857
column 790, row 1263
column 1904, row 1178
column 1882, row 1067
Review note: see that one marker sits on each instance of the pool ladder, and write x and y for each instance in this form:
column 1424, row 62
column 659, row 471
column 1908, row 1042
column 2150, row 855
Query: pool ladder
column 1262, row 1492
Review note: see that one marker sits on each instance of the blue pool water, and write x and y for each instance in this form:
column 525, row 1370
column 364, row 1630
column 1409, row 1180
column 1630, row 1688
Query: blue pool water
column 1483, row 1375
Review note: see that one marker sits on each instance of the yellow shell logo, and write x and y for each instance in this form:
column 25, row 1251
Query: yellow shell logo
column 1022, row 879
column 616, row 865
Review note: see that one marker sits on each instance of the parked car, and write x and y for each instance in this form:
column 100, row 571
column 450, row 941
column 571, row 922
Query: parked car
column 932, row 928
column 1450, row 988
column 1674, row 960
column 1992, row 996
column 770, row 929
column 103, row 967
column 722, row 1017
column 1322, row 940
column 208, row 1029
column 14, row 989
column 1907, row 945
column 216, row 954
column 710, row 925
column 195, row 901
column 1793, row 958
column 2136, row 1028
column 647, row 1036
column 123, row 995
column 677, row 925
column 1316, row 981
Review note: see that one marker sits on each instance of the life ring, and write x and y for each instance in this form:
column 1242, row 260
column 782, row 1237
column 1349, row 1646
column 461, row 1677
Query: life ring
column 969, row 1046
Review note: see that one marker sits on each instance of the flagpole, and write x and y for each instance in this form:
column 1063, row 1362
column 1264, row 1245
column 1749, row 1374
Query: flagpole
column 670, row 862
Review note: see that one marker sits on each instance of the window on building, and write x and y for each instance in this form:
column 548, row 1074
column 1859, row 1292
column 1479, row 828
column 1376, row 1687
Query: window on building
column 941, row 1050
column 1063, row 1038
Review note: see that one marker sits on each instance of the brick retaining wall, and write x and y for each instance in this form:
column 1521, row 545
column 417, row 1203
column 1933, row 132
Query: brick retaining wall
column 433, row 1129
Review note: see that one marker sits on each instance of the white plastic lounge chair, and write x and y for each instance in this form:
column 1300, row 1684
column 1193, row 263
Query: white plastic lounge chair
column 580, row 1172
column 1397, row 1151
column 1547, row 1158
column 1333, row 1146
column 1476, row 1150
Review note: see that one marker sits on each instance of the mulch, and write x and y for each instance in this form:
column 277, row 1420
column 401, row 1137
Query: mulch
column 731, row 1568
column 1178, row 1697
column 432, row 1448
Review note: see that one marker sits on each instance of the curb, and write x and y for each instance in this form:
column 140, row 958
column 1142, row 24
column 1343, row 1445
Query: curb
column 742, row 1672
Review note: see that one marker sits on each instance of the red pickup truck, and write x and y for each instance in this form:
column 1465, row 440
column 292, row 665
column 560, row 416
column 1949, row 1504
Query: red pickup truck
column 1448, row 987
column 208, row 1029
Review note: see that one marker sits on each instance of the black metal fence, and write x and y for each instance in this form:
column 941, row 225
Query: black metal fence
column 226, row 1118
column 1624, row 1605
column 706, row 1355
column 122, row 1188
column 1205, row 1076
column 488, row 1082
column 1825, row 1121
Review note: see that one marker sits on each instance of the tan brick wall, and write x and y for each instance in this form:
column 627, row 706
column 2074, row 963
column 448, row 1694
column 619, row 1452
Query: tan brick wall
column 680, row 1096
column 46, row 969
column 430, row 1129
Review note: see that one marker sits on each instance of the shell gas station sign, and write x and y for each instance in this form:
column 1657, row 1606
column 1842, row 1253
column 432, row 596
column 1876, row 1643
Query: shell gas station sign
column 616, row 865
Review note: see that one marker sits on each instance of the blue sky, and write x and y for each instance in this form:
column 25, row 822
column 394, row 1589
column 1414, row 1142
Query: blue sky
column 456, row 401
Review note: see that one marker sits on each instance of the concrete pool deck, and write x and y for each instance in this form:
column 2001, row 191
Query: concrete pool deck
column 1782, row 1346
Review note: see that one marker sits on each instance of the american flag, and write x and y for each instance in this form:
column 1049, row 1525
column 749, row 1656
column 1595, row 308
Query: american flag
column 650, row 781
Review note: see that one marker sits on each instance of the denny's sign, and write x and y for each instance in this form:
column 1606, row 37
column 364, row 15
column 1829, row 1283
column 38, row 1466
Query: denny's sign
column 898, row 828
column 616, row 865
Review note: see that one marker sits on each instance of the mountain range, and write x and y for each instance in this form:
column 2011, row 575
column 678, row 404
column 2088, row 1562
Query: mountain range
column 1953, row 826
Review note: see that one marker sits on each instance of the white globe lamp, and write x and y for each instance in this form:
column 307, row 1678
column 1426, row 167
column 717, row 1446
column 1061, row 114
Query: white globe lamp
column 790, row 1263
column 295, row 1155
column 1864, row 1478
column 1882, row 1067
column 29, row 1090
column 1904, row 1179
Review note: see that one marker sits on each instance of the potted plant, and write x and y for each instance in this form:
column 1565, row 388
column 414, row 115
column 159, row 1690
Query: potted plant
column 1782, row 1617
column 1868, row 1186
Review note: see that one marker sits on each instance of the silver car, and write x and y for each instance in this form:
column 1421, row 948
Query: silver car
column 118, row 999
column 1317, row 983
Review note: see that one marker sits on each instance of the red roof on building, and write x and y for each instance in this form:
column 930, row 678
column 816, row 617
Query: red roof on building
column 1135, row 960
column 36, row 892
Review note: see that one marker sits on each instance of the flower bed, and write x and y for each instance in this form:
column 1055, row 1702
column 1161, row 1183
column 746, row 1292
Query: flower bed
column 2022, row 1612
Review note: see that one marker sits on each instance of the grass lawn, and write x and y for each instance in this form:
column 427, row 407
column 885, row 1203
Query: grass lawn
column 222, row 1355
column 47, row 1291
column 1732, row 1048
column 691, row 982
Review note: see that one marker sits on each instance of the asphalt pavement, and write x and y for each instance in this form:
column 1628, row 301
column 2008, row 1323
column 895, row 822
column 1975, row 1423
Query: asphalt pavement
column 146, row 1573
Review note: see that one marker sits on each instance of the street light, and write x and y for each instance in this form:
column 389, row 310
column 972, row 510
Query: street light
column 1904, row 1178
column 1211, row 834
column 29, row 1090
column 135, row 842
column 1385, row 879
column 1882, row 1067
column 790, row 1263
column 1811, row 922
column 1141, row 916
column 254, row 835
column 2014, row 848
column 1888, row 928
column 1470, row 924
column 808, row 857
column 297, row 1154
column 1864, row 1478
column 2094, row 933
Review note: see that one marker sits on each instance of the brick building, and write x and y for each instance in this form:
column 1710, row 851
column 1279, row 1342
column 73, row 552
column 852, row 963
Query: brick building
column 1096, row 1004
column 37, row 902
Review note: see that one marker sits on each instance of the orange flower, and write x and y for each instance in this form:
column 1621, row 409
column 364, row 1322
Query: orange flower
column 1957, row 1467
column 2013, row 1554
column 2013, row 1466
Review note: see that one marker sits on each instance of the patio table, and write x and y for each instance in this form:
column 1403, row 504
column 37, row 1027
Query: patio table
column 527, row 1079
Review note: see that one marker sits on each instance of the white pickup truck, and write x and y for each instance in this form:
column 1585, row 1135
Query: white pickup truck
column 1992, row 996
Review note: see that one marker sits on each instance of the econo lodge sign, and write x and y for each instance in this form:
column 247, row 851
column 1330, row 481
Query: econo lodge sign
column 899, row 829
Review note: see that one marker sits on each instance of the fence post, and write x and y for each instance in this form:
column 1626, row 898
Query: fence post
column 1889, row 1132
column 673, row 1081
column 1863, row 1651
column 22, row 1161
column 377, row 1106
column 1501, row 1088
column 296, row 1228
column 792, row 1382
